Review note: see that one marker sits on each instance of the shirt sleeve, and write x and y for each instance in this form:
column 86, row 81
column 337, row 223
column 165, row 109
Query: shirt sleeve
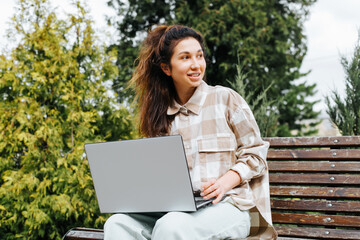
column 251, row 150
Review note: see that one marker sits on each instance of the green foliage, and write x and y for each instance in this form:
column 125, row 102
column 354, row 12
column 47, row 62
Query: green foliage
column 264, row 110
column 53, row 100
column 266, row 35
column 136, row 17
column 303, row 110
column 345, row 114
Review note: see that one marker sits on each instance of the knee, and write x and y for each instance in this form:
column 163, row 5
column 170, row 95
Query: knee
column 172, row 224
column 115, row 221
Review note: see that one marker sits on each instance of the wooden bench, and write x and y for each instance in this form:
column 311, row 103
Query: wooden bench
column 314, row 187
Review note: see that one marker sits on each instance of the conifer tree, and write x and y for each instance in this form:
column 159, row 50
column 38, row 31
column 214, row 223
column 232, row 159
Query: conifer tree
column 53, row 99
column 345, row 113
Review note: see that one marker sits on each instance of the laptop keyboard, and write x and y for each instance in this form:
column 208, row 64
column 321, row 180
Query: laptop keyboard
column 200, row 202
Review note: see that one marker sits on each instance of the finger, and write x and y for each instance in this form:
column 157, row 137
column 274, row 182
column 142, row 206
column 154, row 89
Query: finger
column 218, row 199
column 207, row 184
column 210, row 189
column 212, row 194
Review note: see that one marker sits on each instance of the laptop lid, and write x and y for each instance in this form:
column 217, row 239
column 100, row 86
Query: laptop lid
column 141, row 175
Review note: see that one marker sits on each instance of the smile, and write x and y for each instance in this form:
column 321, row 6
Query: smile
column 194, row 75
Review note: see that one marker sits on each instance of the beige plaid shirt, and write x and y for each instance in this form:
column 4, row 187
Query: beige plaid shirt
column 220, row 133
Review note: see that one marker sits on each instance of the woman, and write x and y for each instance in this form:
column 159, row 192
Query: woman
column 225, row 153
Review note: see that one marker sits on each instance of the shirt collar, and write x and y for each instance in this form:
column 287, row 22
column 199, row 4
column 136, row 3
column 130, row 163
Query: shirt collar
column 194, row 104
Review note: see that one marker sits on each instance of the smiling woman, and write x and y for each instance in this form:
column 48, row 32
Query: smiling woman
column 167, row 52
column 225, row 153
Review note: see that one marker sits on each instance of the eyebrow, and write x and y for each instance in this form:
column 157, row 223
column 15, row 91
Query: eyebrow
column 187, row 52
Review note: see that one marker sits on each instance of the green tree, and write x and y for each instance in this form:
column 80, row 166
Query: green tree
column 345, row 113
column 53, row 99
column 265, row 111
column 136, row 18
column 266, row 35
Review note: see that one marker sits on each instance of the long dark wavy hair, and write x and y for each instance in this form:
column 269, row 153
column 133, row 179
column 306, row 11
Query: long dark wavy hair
column 155, row 91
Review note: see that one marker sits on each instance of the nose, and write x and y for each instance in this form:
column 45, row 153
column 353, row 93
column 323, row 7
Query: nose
column 195, row 64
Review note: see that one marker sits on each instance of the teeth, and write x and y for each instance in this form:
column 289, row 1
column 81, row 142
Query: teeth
column 195, row 75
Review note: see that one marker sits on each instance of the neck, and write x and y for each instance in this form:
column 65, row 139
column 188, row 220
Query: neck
column 184, row 96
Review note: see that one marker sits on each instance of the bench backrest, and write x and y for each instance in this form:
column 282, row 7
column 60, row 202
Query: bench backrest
column 315, row 186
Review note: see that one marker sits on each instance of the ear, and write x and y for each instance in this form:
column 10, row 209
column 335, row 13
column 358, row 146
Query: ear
column 165, row 68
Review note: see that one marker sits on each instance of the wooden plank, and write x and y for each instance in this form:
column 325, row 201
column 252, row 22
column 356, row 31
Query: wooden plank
column 313, row 166
column 316, row 219
column 84, row 234
column 310, row 205
column 293, row 238
column 315, row 178
column 324, row 233
column 314, row 141
column 318, row 192
column 324, row 154
column 89, row 229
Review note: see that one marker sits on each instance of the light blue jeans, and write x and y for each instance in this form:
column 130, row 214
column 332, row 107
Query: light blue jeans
column 219, row 221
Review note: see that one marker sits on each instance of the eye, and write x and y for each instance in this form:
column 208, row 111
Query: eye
column 185, row 57
column 200, row 55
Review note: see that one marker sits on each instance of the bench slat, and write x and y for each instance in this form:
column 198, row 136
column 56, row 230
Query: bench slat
column 316, row 219
column 315, row 178
column 325, row 154
column 318, row 192
column 313, row 166
column 317, row 233
column 293, row 238
column 88, row 229
column 342, row 141
column 85, row 234
column 310, row 205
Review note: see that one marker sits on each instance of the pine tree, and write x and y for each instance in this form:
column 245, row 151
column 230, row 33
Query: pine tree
column 53, row 100
column 345, row 113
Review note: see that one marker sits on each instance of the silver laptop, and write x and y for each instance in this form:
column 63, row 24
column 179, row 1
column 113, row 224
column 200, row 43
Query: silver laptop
column 142, row 175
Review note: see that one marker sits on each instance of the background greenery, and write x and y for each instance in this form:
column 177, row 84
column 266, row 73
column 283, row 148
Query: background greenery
column 60, row 88
column 345, row 113
column 54, row 99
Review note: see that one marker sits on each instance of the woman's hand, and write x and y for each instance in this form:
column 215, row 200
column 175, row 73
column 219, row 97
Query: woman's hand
column 212, row 189
column 218, row 187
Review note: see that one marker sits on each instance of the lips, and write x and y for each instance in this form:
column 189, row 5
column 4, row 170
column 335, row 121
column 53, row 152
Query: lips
column 194, row 75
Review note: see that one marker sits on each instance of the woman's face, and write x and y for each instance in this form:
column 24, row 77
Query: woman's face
column 187, row 66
